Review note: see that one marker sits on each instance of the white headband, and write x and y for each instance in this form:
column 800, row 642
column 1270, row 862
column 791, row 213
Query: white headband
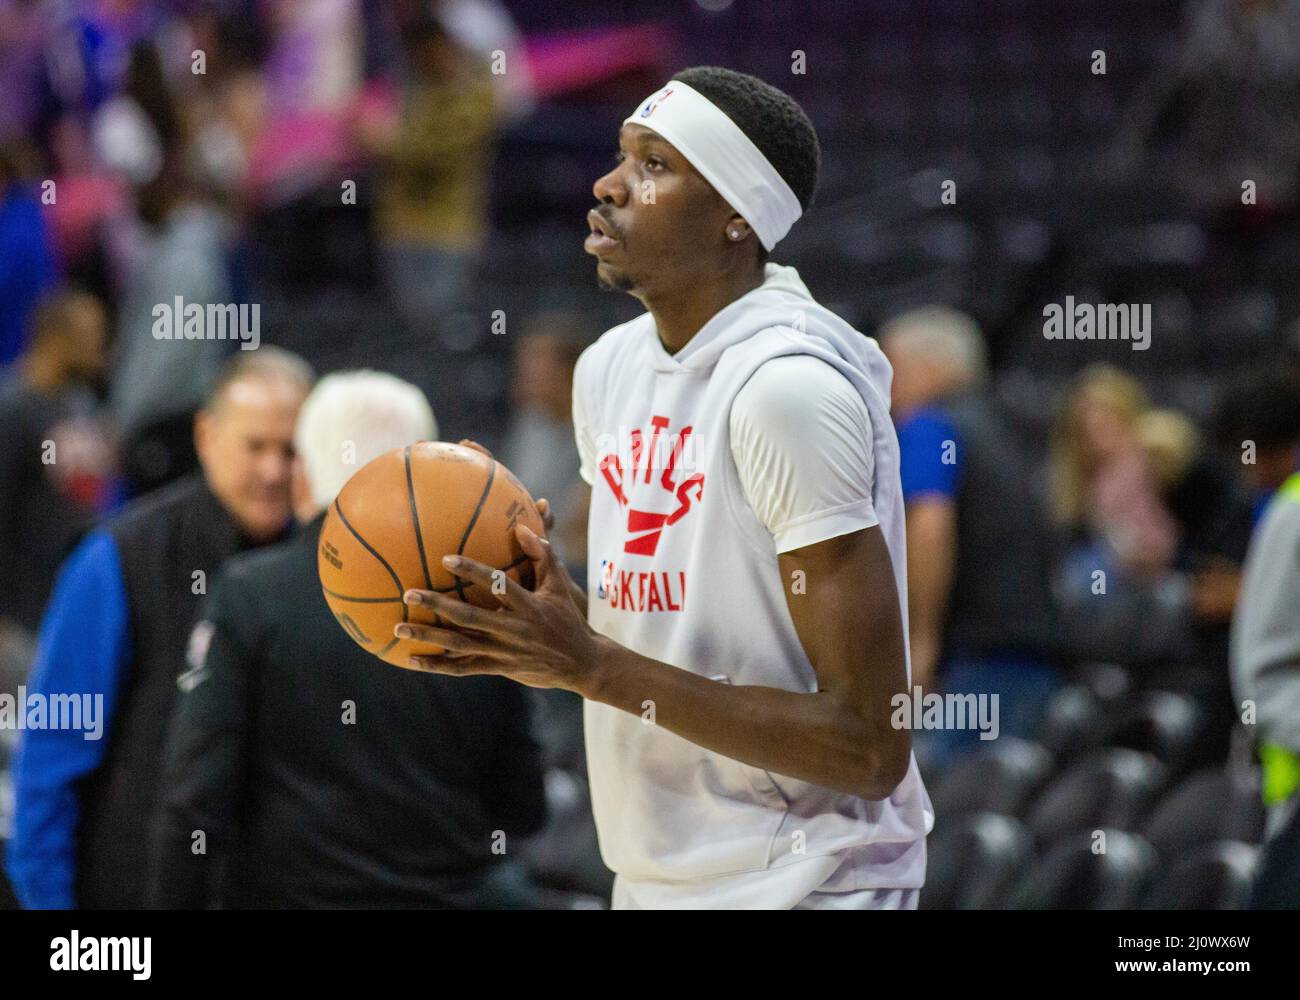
column 724, row 156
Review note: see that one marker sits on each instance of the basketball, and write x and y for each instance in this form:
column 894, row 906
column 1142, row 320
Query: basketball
column 391, row 525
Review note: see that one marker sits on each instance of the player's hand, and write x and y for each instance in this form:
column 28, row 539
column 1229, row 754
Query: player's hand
column 539, row 637
column 467, row 443
column 548, row 516
column 543, row 505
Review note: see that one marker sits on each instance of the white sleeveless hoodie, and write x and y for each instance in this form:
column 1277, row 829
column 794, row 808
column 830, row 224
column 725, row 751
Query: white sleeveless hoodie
column 680, row 569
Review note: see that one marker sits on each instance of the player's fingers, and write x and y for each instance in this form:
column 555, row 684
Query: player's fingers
column 451, row 666
column 548, row 516
column 467, row 443
column 452, row 641
column 453, row 611
column 531, row 543
column 496, row 582
column 548, row 570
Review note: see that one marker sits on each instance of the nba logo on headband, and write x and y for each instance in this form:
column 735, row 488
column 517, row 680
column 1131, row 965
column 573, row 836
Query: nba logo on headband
column 655, row 101
column 725, row 157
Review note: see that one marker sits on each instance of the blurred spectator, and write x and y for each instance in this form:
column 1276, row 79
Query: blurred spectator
column 56, row 461
column 539, row 446
column 86, row 206
column 22, row 34
column 434, row 162
column 88, row 48
column 138, row 130
column 300, row 807
column 980, row 610
column 486, row 28
column 1116, row 580
column 116, row 629
column 177, row 249
column 227, row 122
column 1212, row 509
column 27, row 265
column 1156, row 533
column 314, row 64
column 1104, row 481
column 1258, row 425
column 1266, row 673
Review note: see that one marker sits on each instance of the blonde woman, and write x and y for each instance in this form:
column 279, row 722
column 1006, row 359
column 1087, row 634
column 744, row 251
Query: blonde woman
column 1104, row 477
column 1116, row 581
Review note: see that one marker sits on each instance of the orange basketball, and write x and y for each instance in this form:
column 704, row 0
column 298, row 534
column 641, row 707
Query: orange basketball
column 396, row 518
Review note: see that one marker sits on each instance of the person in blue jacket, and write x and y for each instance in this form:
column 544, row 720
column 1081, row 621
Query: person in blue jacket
column 28, row 266
column 114, row 637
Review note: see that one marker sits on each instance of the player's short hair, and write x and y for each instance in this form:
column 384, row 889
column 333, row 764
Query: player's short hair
column 772, row 120
column 353, row 417
column 267, row 362
column 943, row 334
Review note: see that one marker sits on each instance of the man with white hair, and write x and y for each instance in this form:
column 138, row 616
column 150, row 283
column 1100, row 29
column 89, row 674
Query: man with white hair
column 981, row 616
column 311, row 774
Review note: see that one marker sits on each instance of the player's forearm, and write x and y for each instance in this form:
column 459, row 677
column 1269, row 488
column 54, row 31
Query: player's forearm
column 811, row 737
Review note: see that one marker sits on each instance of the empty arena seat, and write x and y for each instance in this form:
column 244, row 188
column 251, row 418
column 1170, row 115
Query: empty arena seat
column 1215, row 876
column 1071, row 723
column 1167, row 725
column 1072, row 876
column 1000, row 778
column 1213, row 804
column 974, row 861
column 1110, row 682
column 1114, row 787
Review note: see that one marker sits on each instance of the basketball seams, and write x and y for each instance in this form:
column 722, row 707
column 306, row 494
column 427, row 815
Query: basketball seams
column 397, row 582
column 359, row 600
column 469, row 528
column 415, row 520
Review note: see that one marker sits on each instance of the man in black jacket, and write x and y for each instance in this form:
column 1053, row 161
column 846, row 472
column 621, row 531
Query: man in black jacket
column 981, row 614
column 302, row 771
column 54, row 455
column 114, row 637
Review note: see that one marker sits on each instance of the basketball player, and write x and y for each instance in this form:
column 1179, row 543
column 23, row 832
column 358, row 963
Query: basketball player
column 746, row 629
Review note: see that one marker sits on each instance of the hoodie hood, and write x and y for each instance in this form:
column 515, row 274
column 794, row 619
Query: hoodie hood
column 782, row 303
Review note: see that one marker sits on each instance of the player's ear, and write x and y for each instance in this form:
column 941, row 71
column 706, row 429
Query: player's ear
column 202, row 431
column 737, row 229
column 304, row 507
